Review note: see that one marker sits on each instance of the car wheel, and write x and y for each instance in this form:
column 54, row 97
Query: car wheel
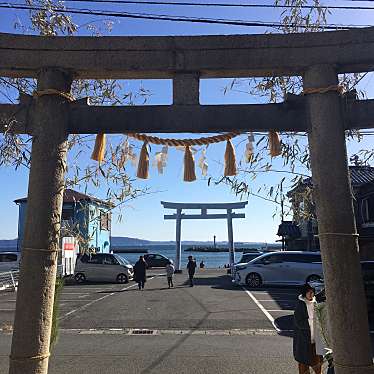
column 313, row 278
column 80, row 278
column 122, row 278
column 253, row 280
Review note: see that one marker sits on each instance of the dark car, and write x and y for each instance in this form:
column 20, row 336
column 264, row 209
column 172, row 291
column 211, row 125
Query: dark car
column 367, row 268
column 155, row 260
column 246, row 257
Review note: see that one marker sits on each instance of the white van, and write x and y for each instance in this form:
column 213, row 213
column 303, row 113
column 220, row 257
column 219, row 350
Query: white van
column 103, row 267
column 291, row 268
column 9, row 261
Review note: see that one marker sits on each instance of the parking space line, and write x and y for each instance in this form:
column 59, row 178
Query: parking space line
column 75, row 293
column 263, row 310
column 97, row 300
column 266, row 293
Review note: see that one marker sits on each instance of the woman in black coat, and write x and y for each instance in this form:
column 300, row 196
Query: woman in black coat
column 140, row 272
column 304, row 348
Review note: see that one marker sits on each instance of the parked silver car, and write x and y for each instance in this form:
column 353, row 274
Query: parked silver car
column 291, row 268
column 103, row 267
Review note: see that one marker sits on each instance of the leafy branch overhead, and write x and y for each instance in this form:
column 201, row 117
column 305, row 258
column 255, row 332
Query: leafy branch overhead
column 295, row 165
column 113, row 175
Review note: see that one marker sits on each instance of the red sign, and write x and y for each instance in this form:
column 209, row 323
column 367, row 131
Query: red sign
column 69, row 246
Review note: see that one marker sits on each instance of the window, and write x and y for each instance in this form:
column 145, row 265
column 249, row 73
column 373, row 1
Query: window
column 273, row 259
column 109, row 260
column 105, row 220
column 67, row 214
column 92, row 259
column 368, row 209
column 247, row 258
column 8, row 257
column 122, row 260
column 303, row 258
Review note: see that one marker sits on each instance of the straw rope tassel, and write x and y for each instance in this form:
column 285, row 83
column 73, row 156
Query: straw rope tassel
column 189, row 166
column 230, row 160
column 99, row 149
column 274, row 144
column 143, row 165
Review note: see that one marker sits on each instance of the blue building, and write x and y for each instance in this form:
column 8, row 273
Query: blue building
column 85, row 217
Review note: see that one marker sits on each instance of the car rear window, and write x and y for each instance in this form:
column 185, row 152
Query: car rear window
column 8, row 257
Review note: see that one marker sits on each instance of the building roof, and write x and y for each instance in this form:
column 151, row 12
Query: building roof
column 289, row 229
column 360, row 176
column 71, row 196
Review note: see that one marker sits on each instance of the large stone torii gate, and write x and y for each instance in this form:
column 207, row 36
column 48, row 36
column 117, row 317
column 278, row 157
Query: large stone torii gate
column 203, row 207
column 317, row 57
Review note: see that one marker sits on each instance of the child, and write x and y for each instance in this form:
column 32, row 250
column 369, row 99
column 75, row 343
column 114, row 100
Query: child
column 170, row 273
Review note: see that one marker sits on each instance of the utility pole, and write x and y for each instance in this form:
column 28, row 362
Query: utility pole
column 336, row 225
column 33, row 318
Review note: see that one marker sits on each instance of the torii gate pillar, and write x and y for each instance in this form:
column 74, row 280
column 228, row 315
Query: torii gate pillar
column 203, row 207
column 336, row 225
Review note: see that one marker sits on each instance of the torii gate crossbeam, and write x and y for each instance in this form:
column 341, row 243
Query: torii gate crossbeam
column 318, row 57
column 203, row 207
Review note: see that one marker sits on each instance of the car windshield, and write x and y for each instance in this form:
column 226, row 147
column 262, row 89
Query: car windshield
column 122, row 260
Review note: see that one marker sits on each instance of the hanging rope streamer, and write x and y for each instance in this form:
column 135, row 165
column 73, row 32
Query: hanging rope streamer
column 99, row 148
column 230, row 168
column 230, row 160
column 189, row 166
column 143, row 165
column 189, row 162
column 275, row 147
column 183, row 142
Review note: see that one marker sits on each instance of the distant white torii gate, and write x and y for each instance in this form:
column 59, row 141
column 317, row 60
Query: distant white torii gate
column 179, row 215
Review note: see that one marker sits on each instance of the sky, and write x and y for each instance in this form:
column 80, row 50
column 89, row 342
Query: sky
column 143, row 217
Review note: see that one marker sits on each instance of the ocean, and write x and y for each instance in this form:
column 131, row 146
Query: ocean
column 211, row 259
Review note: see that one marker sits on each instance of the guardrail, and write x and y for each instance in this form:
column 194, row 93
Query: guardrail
column 9, row 280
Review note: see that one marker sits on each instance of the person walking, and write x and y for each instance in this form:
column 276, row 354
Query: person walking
column 170, row 273
column 140, row 272
column 191, row 266
column 304, row 345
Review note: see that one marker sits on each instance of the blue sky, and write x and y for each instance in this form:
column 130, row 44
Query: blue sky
column 143, row 218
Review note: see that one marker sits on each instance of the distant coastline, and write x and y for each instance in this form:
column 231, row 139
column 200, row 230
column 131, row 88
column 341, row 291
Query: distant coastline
column 218, row 249
column 133, row 245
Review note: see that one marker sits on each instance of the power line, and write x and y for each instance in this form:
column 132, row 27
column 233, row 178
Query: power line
column 223, row 5
column 165, row 17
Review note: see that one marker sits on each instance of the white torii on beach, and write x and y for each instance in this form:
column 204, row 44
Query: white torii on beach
column 203, row 207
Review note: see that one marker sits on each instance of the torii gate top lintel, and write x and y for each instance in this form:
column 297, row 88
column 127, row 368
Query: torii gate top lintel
column 236, row 205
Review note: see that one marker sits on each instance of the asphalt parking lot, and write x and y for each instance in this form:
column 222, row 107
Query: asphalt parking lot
column 213, row 327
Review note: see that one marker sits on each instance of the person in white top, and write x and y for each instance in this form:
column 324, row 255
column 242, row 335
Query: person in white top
column 304, row 347
column 170, row 269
